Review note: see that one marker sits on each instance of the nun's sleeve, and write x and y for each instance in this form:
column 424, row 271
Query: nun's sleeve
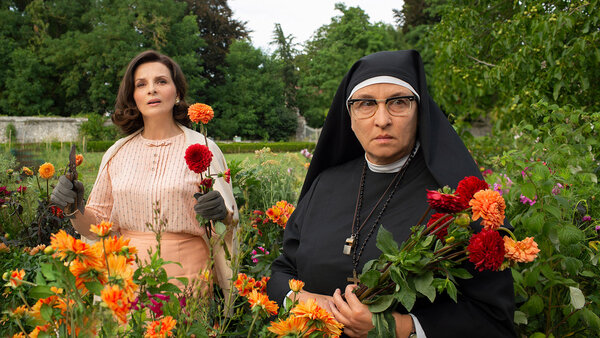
column 485, row 308
column 284, row 267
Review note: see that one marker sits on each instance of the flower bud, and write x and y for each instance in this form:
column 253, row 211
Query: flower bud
column 125, row 250
column 49, row 250
column 6, row 276
column 462, row 220
column 450, row 239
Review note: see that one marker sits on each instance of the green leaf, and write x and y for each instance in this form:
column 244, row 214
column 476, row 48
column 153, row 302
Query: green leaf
column 48, row 271
column 534, row 305
column 461, row 273
column 168, row 287
column 382, row 303
column 46, row 312
column 591, row 319
column 532, row 277
column 520, row 317
column 538, row 335
column 94, row 287
column 451, row 290
column 528, row 189
column 220, row 228
column 407, row 297
column 40, row 291
column 370, row 278
column 386, row 242
column 423, row 285
column 577, row 297
column 385, row 325
column 588, row 273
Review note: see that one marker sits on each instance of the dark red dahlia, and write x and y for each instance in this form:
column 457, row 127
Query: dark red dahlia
column 486, row 250
column 447, row 203
column 441, row 234
column 227, row 175
column 198, row 158
column 207, row 183
column 468, row 186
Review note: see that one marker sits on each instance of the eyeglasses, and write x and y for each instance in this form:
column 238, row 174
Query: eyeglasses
column 365, row 108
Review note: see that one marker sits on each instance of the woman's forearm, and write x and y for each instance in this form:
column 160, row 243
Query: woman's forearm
column 404, row 325
column 81, row 223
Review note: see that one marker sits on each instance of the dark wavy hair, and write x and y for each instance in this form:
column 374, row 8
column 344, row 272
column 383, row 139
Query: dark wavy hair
column 127, row 115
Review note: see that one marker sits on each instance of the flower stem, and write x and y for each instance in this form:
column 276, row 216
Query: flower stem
column 252, row 325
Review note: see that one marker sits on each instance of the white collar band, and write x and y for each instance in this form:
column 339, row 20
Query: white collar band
column 393, row 167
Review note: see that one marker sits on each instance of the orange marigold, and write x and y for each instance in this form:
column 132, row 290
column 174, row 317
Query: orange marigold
column 489, row 206
column 322, row 319
column 87, row 273
column 200, row 112
column 16, row 277
column 260, row 301
column 160, row 328
column 102, row 229
column 524, row 251
column 243, row 284
column 46, row 170
column 117, row 301
column 122, row 272
column 78, row 160
column 296, row 285
column 297, row 326
column 118, row 245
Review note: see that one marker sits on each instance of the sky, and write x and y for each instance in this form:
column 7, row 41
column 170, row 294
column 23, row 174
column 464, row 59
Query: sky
column 301, row 18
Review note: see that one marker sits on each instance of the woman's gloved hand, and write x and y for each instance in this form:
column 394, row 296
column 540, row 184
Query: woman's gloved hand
column 67, row 193
column 210, row 206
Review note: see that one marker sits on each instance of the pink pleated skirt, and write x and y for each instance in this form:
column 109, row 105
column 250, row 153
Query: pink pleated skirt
column 189, row 250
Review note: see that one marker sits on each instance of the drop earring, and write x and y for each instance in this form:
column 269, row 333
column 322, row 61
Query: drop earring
column 177, row 101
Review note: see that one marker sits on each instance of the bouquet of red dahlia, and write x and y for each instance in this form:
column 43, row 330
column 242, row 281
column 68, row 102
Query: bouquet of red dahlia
column 429, row 262
column 198, row 156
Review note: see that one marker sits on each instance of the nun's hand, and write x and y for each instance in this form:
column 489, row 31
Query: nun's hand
column 355, row 316
column 322, row 300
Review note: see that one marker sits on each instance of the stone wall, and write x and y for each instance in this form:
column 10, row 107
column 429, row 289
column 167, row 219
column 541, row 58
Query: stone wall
column 306, row 133
column 41, row 129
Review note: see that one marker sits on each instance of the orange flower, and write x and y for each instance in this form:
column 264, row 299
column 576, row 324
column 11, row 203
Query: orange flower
column 86, row 273
column 20, row 311
column 160, row 328
column 35, row 333
column 122, row 272
column 117, row 301
column 243, row 284
column 118, row 245
column 19, row 335
column 4, row 248
column 78, row 160
column 16, row 277
column 296, row 285
column 291, row 326
column 524, row 251
column 259, row 301
column 35, row 309
column 27, row 171
column 205, row 275
column 489, row 206
column 102, row 229
column 280, row 213
column 322, row 319
column 200, row 112
column 37, row 249
column 46, row 170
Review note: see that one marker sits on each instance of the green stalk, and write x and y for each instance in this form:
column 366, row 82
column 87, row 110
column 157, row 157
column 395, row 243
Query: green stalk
column 252, row 325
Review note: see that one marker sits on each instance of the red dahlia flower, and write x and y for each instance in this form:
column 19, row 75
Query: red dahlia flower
column 447, row 203
column 443, row 232
column 468, row 186
column 198, row 158
column 486, row 250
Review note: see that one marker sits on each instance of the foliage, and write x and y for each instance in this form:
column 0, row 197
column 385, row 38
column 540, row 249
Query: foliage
column 331, row 52
column 251, row 101
column 94, row 129
column 494, row 59
column 555, row 164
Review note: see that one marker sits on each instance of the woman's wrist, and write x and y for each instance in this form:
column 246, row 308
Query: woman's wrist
column 404, row 325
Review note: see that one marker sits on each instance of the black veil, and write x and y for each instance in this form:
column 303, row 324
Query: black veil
column 445, row 154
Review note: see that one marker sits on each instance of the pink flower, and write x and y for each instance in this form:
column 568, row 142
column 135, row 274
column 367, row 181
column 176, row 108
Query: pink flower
column 525, row 200
column 557, row 188
column 586, row 218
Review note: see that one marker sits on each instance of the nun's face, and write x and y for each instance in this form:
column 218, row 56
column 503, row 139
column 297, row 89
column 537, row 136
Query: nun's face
column 385, row 138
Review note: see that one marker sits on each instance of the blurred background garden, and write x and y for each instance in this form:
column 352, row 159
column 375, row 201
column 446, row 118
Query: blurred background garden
column 518, row 80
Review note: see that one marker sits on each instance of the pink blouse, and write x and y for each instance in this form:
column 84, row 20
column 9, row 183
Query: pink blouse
column 140, row 174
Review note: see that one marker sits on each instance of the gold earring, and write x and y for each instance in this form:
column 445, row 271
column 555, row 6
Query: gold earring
column 177, row 101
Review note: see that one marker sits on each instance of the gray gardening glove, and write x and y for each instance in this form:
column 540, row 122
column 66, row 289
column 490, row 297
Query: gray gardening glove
column 210, row 206
column 67, row 193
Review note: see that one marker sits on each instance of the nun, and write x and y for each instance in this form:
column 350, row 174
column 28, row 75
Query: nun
column 384, row 142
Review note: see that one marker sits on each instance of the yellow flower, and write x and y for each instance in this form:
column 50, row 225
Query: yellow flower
column 46, row 170
column 296, row 285
column 297, row 326
column 102, row 229
column 260, row 300
column 27, row 171
column 16, row 277
column 160, row 328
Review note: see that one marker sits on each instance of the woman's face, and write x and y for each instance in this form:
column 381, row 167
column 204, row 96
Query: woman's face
column 385, row 138
column 154, row 92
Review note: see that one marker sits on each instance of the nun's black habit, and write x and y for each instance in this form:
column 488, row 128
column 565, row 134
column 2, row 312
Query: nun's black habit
column 316, row 231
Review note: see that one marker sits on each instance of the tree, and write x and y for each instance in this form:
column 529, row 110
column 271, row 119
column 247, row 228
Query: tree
column 331, row 52
column 219, row 30
column 251, row 100
column 285, row 54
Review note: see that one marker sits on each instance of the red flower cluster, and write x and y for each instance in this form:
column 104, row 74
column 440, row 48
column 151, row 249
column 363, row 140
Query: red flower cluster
column 206, row 184
column 198, row 158
column 458, row 201
column 468, row 186
column 56, row 211
column 486, row 250
column 443, row 232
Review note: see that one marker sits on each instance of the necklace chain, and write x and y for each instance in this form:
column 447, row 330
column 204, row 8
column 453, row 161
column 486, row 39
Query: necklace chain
column 397, row 179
